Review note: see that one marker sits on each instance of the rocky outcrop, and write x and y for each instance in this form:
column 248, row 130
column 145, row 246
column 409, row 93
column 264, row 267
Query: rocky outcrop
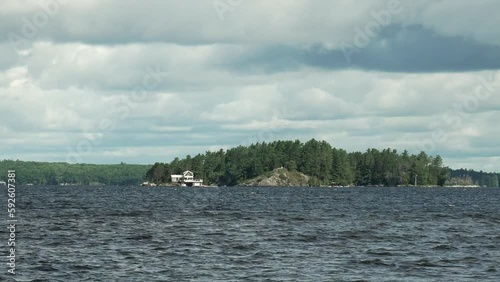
column 279, row 177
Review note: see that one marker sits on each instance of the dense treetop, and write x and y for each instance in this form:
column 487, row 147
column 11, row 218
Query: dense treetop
column 82, row 174
column 324, row 165
column 319, row 160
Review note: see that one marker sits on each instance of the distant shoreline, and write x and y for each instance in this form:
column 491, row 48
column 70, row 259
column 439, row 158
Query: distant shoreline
column 167, row 185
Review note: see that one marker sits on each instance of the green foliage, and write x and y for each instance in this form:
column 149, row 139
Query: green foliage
column 471, row 177
column 291, row 165
column 317, row 159
column 82, row 174
column 314, row 181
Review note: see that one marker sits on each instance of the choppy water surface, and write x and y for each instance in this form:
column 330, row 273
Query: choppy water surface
column 256, row 234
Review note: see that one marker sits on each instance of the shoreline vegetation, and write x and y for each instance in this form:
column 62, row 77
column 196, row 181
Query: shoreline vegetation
column 280, row 163
column 317, row 163
column 46, row 173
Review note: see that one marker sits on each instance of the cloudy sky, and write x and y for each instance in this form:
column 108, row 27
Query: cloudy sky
column 143, row 81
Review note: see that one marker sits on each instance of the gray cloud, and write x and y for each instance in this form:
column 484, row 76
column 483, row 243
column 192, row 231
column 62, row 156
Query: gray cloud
column 397, row 49
column 267, row 71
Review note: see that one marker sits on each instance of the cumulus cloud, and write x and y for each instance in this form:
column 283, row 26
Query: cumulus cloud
column 262, row 71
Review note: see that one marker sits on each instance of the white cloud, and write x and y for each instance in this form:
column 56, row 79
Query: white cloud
column 252, row 102
column 77, row 70
column 156, row 128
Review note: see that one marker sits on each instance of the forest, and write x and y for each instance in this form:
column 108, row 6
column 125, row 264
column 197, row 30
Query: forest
column 324, row 164
column 45, row 173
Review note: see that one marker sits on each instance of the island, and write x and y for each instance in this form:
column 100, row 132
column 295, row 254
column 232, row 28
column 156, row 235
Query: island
column 317, row 163
column 278, row 163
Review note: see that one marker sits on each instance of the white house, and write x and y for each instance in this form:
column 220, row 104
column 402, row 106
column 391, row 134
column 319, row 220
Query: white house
column 188, row 175
column 187, row 179
column 176, row 177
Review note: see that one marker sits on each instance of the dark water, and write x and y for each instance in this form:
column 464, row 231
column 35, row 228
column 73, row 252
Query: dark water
column 256, row 234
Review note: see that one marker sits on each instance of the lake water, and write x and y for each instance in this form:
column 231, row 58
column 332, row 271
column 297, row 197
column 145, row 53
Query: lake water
column 255, row 234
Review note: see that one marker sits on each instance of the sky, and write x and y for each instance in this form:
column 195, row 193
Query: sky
column 145, row 81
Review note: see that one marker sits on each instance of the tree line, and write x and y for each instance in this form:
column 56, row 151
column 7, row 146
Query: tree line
column 45, row 173
column 324, row 164
column 471, row 177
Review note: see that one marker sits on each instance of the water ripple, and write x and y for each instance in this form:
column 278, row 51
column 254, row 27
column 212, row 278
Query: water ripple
column 256, row 234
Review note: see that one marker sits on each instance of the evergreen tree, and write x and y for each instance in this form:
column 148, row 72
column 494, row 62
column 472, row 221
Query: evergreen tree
column 324, row 165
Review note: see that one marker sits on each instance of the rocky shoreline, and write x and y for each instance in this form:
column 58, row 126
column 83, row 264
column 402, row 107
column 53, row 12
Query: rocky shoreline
column 279, row 177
